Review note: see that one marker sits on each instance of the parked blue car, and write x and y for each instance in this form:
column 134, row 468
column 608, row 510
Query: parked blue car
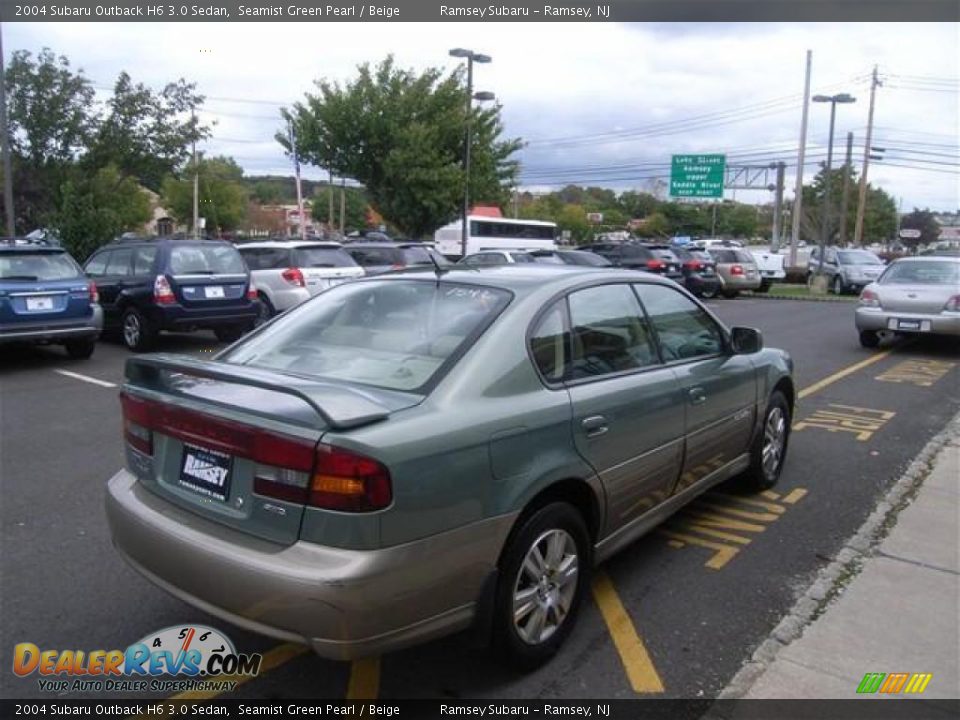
column 45, row 298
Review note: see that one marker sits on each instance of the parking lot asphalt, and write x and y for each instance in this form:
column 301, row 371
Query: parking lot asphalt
column 695, row 597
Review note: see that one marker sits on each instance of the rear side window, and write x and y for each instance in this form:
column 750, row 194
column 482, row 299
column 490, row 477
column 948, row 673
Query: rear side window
column 609, row 333
column 97, row 264
column 266, row 258
column 143, row 260
column 321, row 257
column 119, row 263
column 724, row 256
column 38, row 266
column 683, row 327
column 389, row 334
column 375, row 256
column 213, row 259
column 416, row 256
column 548, row 344
column 744, row 256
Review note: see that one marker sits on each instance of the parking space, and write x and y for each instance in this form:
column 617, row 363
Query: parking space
column 674, row 615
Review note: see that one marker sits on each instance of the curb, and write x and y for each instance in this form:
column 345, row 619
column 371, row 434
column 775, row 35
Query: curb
column 801, row 298
column 831, row 580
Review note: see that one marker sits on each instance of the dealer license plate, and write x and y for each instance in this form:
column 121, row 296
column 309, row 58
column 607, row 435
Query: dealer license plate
column 206, row 471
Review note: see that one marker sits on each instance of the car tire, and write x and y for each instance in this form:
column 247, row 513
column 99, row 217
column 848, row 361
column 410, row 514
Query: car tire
column 554, row 595
column 267, row 311
column 837, row 285
column 869, row 339
column 710, row 292
column 136, row 331
column 229, row 333
column 730, row 294
column 769, row 449
column 80, row 349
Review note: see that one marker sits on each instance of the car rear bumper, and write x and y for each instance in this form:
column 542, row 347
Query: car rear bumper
column 343, row 603
column 868, row 318
column 178, row 317
column 739, row 282
column 288, row 297
column 54, row 331
column 699, row 283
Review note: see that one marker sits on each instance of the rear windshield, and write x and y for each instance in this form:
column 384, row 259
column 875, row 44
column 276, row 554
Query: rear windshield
column 664, row 254
column 724, row 256
column 547, row 259
column 416, row 256
column 38, row 266
column 396, row 335
column 321, row 257
column 859, row 257
column 745, row 257
column 922, row 272
column 633, row 251
column 580, row 257
column 211, row 259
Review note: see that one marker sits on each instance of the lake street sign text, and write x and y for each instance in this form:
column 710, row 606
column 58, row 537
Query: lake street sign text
column 697, row 175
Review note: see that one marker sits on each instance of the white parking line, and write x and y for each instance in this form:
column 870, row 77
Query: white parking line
column 86, row 378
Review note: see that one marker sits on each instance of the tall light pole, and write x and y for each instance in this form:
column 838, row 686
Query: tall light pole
column 842, row 98
column 471, row 57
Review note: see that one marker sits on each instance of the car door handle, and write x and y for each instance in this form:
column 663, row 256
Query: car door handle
column 595, row 425
column 697, row 396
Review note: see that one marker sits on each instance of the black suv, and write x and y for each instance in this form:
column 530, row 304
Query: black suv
column 151, row 284
column 380, row 257
column 636, row 257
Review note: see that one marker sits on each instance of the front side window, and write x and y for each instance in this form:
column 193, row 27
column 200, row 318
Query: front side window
column 684, row 329
column 97, row 264
column 609, row 333
column 390, row 334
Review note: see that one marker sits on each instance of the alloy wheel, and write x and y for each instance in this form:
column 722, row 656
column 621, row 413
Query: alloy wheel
column 546, row 586
column 774, row 434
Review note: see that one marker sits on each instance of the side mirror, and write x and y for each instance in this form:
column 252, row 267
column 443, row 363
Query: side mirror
column 746, row 340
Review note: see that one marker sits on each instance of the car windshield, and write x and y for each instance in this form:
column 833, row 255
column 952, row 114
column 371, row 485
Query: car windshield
column 322, row 257
column 922, row 272
column 390, row 334
column 38, row 266
column 210, row 259
column 858, row 257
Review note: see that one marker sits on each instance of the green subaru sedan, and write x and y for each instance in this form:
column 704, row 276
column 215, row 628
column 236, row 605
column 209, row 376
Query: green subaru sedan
column 404, row 456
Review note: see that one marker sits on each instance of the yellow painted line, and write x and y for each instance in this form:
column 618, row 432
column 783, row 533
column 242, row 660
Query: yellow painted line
column 364, row 679
column 830, row 379
column 271, row 659
column 636, row 660
column 794, row 496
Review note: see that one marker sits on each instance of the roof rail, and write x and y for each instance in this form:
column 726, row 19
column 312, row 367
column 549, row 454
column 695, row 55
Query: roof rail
column 22, row 240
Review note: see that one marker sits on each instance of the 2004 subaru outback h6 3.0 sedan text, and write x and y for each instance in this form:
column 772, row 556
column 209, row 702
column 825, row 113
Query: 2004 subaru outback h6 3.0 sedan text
column 402, row 455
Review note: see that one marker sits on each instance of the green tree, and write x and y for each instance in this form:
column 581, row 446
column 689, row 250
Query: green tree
column 737, row 220
column 925, row 222
column 656, row 225
column 638, row 204
column 51, row 119
column 97, row 208
column 880, row 214
column 222, row 197
column 355, row 207
column 401, row 134
column 147, row 134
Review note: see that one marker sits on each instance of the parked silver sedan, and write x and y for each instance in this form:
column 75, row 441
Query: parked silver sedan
column 917, row 295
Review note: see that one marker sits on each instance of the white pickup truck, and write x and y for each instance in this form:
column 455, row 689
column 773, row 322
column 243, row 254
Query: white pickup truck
column 770, row 265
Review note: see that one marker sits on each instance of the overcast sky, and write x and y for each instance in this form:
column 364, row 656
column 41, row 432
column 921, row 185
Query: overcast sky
column 598, row 103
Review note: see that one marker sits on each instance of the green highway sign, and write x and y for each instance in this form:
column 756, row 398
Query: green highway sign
column 699, row 176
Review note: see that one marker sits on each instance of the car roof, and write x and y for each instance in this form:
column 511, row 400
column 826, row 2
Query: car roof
column 523, row 278
column 289, row 244
column 924, row 258
column 122, row 242
column 384, row 244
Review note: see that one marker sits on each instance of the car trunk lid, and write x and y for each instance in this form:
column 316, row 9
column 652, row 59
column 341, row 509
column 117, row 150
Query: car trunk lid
column 208, row 436
column 913, row 298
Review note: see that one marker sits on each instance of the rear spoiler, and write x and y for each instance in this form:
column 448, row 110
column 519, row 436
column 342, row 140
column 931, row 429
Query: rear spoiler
column 340, row 407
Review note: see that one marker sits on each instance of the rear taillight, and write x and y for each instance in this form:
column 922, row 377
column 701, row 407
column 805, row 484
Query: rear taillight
column 693, row 265
column 344, row 480
column 94, row 295
column 397, row 266
column 868, row 298
column 953, row 304
column 252, row 291
column 736, row 270
column 285, row 468
column 136, row 423
column 656, row 264
column 162, row 292
column 294, row 277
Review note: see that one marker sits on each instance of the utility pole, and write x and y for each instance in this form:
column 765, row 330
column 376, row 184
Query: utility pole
column 778, row 209
column 343, row 202
column 847, row 168
column 196, row 185
column 296, row 170
column 797, row 200
column 7, row 172
column 862, row 202
column 713, row 221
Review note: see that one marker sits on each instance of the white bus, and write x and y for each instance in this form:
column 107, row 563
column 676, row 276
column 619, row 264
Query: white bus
column 494, row 233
